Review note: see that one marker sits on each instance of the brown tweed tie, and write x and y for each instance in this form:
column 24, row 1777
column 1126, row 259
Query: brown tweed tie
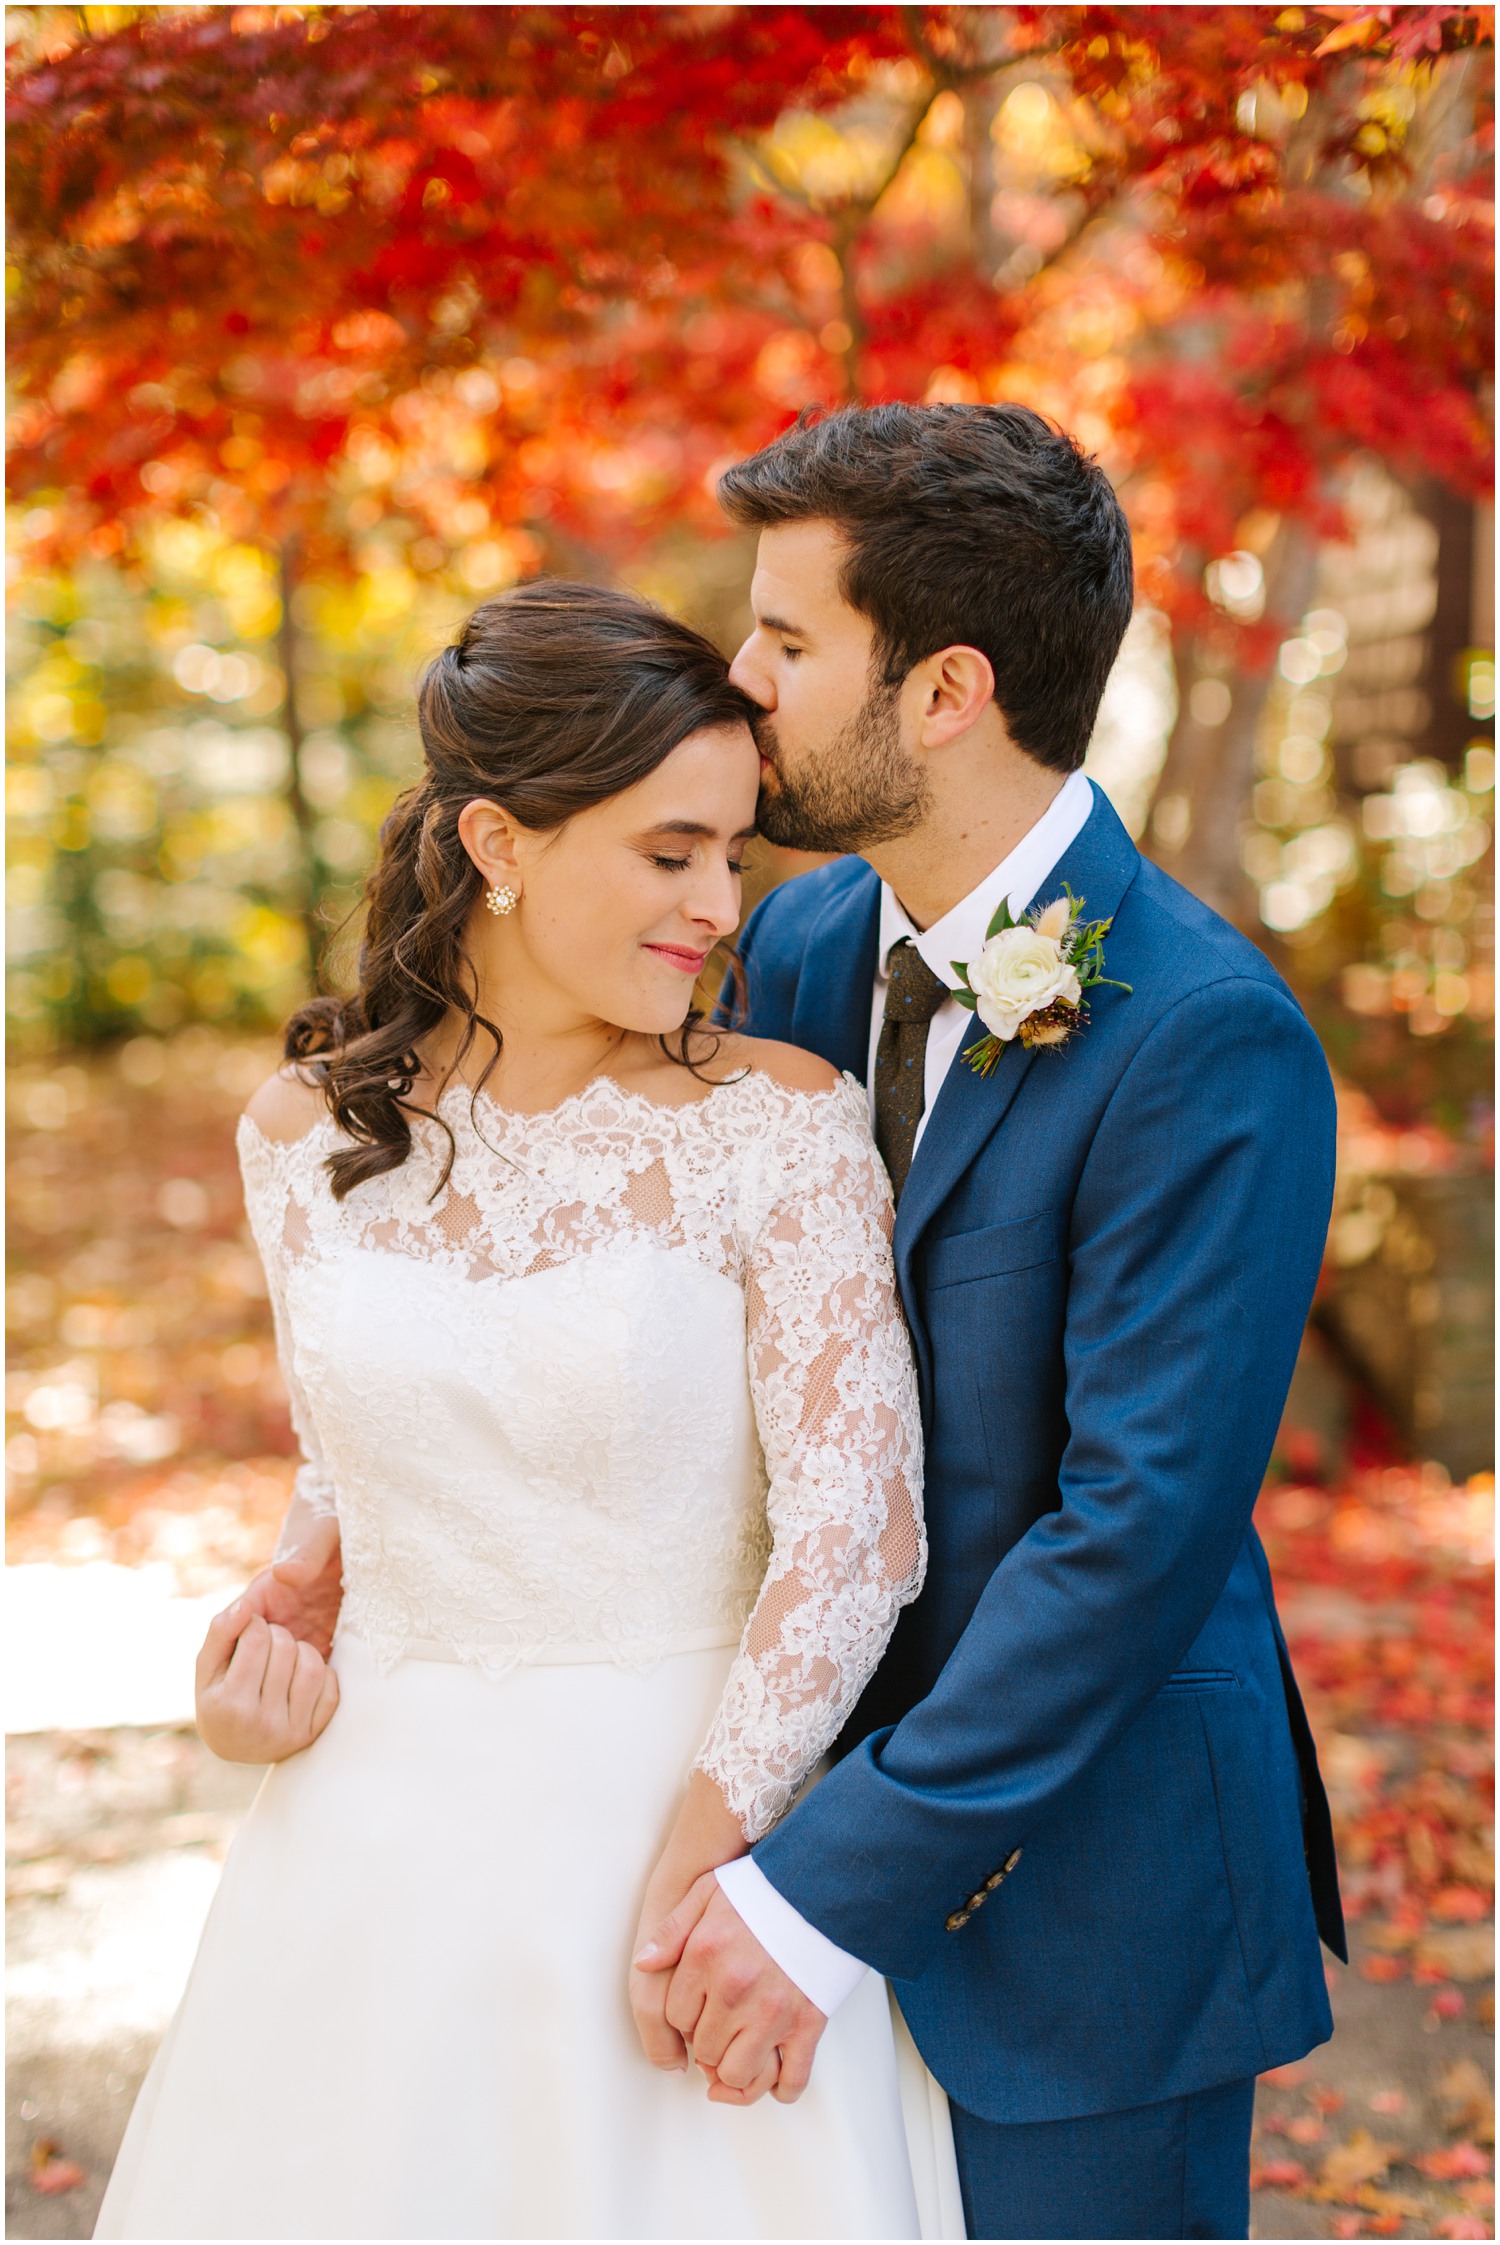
column 913, row 995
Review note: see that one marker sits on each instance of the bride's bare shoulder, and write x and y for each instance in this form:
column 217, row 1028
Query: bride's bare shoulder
column 787, row 1065
column 286, row 1107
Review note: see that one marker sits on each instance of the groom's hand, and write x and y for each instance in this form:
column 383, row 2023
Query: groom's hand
column 303, row 1592
column 747, row 2025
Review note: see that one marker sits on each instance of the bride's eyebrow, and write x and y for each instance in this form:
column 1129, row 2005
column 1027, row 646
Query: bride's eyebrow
column 694, row 830
column 779, row 623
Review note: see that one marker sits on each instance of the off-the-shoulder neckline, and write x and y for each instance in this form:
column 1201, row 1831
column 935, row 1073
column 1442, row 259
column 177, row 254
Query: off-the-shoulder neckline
column 604, row 1082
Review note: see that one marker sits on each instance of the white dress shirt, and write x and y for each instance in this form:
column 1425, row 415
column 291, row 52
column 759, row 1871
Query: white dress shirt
column 825, row 1973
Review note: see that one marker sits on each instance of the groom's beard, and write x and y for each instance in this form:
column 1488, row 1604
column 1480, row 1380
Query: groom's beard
column 862, row 789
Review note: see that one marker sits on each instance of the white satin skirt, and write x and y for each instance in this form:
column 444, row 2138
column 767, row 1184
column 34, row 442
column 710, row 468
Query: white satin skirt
column 408, row 2016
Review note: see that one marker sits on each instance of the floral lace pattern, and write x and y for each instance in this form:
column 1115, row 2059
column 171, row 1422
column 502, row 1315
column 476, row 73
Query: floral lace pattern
column 633, row 1378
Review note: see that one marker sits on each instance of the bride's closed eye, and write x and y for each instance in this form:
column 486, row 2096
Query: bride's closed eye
column 681, row 864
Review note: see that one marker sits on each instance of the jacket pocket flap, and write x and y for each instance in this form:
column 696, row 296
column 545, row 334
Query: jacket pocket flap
column 992, row 1250
column 1202, row 1680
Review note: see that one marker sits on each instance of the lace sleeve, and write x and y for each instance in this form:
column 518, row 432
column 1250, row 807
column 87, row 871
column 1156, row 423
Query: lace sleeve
column 278, row 1224
column 836, row 1404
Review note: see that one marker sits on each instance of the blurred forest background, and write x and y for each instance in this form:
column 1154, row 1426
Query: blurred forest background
column 328, row 322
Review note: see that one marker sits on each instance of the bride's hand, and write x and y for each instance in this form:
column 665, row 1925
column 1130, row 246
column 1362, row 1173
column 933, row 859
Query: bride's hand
column 262, row 1694
column 705, row 1835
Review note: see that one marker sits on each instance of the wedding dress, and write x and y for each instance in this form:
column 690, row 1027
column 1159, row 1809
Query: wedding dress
column 619, row 1421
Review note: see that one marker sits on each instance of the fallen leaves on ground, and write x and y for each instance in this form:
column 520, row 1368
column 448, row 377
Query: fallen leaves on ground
column 1278, row 2174
column 1385, row 1585
column 51, row 2174
column 1469, row 2099
column 1360, row 2160
column 1386, row 1589
column 147, row 1418
column 1455, row 2164
column 1391, row 2205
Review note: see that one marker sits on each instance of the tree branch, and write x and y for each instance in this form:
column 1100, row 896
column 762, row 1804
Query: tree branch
column 965, row 73
column 1076, row 233
column 310, row 871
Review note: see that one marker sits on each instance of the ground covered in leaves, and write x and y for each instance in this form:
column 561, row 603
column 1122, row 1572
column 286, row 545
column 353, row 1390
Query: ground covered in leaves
column 148, row 1426
column 1385, row 1587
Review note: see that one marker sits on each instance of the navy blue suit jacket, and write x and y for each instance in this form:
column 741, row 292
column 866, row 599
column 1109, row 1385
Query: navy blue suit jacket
column 1106, row 1252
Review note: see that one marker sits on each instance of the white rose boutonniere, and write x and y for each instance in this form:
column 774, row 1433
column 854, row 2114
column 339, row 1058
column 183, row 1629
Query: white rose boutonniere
column 1029, row 980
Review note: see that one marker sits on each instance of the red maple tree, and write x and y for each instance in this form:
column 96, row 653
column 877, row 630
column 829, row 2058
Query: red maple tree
column 290, row 217
column 542, row 268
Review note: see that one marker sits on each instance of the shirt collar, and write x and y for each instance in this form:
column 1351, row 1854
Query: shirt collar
column 960, row 934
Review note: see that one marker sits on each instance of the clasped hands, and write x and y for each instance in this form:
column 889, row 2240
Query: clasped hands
column 702, row 1988
column 265, row 1687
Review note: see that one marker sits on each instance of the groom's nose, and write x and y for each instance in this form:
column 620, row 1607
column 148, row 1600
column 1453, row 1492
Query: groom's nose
column 751, row 677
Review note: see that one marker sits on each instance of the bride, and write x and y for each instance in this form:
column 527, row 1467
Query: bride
column 587, row 1318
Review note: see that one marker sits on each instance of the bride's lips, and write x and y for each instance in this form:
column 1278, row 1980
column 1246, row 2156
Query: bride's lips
column 676, row 955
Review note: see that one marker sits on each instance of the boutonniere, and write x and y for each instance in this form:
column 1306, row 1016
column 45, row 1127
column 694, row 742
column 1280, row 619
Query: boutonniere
column 1029, row 979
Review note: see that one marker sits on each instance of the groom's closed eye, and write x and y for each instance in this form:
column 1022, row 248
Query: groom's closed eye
column 793, row 641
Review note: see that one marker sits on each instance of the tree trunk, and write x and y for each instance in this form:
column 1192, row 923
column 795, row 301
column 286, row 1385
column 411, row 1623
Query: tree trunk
column 310, row 872
column 846, row 234
column 1206, row 778
column 986, row 248
column 1445, row 675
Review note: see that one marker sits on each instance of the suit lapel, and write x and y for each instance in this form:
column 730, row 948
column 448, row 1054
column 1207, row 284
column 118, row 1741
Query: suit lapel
column 967, row 1110
column 831, row 1014
column 1098, row 866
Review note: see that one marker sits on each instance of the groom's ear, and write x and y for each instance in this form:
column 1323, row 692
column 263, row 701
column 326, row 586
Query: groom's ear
column 957, row 685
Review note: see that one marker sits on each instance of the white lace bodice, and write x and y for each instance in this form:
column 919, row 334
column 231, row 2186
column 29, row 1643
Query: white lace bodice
column 634, row 1379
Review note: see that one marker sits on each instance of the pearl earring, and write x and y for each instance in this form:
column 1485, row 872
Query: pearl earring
column 500, row 901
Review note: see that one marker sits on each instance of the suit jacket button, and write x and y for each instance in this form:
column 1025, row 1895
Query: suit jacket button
column 975, row 1901
column 959, row 1918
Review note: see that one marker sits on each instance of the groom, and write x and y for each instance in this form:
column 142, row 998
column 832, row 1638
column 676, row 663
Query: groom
column 1077, row 1816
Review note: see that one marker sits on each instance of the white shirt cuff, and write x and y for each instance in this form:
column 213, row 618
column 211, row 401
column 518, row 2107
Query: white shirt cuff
column 824, row 1972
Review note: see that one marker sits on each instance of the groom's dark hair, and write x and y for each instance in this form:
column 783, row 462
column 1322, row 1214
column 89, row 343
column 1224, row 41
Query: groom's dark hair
column 966, row 525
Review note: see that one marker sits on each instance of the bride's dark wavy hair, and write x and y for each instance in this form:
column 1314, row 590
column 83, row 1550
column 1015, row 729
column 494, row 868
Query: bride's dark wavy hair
column 552, row 699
